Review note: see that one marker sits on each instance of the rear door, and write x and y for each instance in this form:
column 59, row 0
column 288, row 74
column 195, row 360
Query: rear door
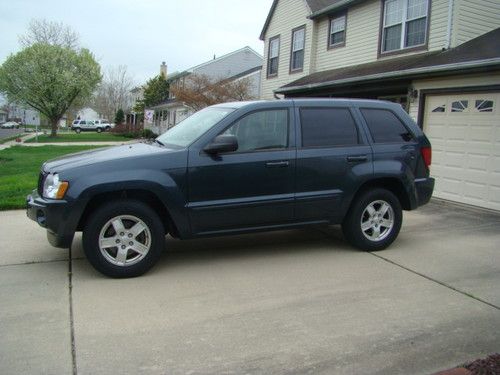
column 333, row 156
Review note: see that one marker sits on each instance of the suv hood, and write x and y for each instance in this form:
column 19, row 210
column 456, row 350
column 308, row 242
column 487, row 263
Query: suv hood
column 84, row 158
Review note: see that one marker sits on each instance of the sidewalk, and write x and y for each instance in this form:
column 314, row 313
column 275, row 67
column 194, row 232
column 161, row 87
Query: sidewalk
column 30, row 136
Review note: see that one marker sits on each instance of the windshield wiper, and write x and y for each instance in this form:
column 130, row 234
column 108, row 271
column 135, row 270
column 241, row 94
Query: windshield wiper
column 159, row 142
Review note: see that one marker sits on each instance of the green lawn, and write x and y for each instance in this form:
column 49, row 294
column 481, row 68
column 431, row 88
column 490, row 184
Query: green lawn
column 82, row 137
column 19, row 169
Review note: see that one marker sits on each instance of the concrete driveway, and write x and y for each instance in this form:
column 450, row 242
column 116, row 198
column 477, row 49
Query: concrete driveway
column 290, row 302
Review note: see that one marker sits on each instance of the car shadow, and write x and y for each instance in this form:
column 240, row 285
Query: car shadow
column 286, row 243
column 254, row 245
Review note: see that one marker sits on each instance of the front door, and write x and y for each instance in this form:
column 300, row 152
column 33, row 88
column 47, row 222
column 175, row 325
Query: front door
column 251, row 187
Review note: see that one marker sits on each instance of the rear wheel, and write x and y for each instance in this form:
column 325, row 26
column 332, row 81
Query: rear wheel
column 374, row 220
column 123, row 238
column 78, row 130
column 99, row 130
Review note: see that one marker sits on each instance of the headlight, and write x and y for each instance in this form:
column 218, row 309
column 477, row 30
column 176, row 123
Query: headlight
column 54, row 188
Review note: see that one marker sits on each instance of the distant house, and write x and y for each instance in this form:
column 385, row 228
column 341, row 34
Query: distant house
column 23, row 114
column 3, row 116
column 136, row 95
column 88, row 113
column 440, row 59
column 239, row 64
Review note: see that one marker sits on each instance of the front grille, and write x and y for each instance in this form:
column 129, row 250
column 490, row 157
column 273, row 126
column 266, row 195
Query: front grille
column 41, row 178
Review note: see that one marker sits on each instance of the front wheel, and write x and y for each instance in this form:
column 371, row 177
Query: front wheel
column 99, row 130
column 123, row 238
column 78, row 130
column 374, row 220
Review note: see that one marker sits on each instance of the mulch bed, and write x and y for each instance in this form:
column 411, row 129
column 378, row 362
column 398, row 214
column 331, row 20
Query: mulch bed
column 487, row 366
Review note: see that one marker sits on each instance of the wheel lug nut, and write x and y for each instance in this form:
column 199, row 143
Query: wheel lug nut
column 130, row 243
column 117, row 241
column 123, row 246
column 130, row 235
column 122, row 234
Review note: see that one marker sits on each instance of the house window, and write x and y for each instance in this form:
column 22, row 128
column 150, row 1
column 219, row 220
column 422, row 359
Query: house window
column 273, row 56
column 298, row 43
column 337, row 31
column 405, row 24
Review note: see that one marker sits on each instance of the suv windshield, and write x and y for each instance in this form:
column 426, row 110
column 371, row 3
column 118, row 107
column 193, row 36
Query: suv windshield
column 190, row 129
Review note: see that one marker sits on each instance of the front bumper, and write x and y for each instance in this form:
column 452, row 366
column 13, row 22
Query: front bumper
column 51, row 215
column 424, row 188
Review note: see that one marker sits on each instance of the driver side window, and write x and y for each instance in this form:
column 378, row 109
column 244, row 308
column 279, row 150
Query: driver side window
column 263, row 130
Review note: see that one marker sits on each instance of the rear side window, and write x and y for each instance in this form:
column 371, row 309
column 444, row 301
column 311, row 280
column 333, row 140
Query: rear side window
column 327, row 127
column 385, row 127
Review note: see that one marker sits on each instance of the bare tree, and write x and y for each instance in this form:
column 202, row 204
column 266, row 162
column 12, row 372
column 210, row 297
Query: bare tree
column 114, row 92
column 200, row 91
column 49, row 32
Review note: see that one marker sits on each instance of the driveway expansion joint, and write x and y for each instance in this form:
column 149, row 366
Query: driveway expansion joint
column 435, row 281
column 33, row 262
column 71, row 319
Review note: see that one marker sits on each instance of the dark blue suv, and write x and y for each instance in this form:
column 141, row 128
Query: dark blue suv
column 237, row 168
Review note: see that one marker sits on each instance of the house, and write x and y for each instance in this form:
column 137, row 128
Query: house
column 136, row 95
column 23, row 114
column 244, row 63
column 439, row 58
column 3, row 116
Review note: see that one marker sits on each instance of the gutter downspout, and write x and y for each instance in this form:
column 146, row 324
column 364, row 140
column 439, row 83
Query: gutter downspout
column 450, row 23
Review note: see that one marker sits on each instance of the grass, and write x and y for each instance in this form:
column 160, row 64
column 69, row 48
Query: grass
column 19, row 169
column 82, row 137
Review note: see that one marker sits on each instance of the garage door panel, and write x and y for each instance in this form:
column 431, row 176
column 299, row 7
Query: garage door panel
column 466, row 147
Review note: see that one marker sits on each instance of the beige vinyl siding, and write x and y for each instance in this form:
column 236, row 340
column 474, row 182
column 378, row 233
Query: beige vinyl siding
column 473, row 18
column 459, row 81
column 363, row 22
column 288, row 15
column 362, row 38
column 439, row 25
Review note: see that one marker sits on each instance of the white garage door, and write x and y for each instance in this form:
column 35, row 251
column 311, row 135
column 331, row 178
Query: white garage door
column 465, row 134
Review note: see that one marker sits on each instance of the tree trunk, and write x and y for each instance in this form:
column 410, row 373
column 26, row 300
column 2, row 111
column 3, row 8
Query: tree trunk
column 54, row 123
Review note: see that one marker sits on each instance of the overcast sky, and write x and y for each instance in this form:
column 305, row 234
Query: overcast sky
column 142, row 33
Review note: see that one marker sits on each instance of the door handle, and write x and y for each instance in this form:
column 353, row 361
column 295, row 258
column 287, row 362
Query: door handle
column 357, row 158
column 277, row 164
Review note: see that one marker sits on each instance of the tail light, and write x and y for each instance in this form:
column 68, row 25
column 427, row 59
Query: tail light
column 426, row 155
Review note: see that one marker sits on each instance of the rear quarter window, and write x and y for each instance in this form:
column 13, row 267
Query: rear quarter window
column 385, row 126
column 328, row 127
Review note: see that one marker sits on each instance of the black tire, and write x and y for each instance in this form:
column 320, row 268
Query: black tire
column 352, row 225
column 78, row 130
column 98, row 130
column 99, row 220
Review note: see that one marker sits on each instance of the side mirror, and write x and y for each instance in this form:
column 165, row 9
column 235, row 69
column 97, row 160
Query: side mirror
column 222, row 143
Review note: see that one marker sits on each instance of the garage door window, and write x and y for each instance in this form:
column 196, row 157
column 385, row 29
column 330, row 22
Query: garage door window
column 440, row 109
column 484, row 105
column 459, row 106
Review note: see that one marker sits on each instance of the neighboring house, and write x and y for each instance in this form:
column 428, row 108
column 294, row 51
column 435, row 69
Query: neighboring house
column 439, row 58
column 88, row 113
column 23, row 114
column 136, row 95
column 244, row 63
column 3, row 116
